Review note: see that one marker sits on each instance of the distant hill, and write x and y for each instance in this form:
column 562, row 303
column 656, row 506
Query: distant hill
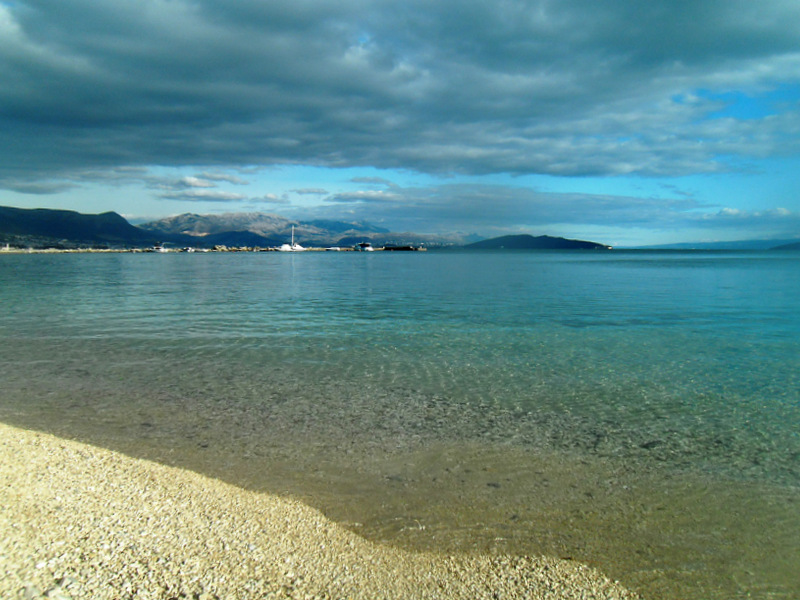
column 202, row 225
column 529, row 242
column 791, row 246
column 40, row 227
column 733, row 245
column 272, row 230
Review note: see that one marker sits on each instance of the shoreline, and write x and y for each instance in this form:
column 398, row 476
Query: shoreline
column 202, row 250
column 85, row 522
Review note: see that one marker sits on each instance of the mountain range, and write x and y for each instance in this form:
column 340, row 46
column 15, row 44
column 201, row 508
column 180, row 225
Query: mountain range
column 258, row 229
column 49, row 228
column 238, row 229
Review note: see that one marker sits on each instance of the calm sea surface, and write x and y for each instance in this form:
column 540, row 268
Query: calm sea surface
column 636, row 411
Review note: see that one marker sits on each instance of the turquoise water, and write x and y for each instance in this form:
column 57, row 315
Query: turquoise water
column 665, row 370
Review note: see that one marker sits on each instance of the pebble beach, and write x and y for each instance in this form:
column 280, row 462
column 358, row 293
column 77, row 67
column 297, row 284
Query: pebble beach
column 84, row 522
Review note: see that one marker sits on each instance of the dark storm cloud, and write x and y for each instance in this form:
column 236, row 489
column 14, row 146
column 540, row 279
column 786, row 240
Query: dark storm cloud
column 566, row 88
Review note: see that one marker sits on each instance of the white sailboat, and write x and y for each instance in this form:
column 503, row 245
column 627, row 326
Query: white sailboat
column 292, row 247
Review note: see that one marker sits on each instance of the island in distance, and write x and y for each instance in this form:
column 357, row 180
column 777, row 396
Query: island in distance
column 529, row 242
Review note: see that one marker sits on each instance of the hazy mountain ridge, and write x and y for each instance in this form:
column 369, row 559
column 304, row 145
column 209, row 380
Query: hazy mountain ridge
column 790, row 246
column 202, row 225
column 733, row 245
column 276, row 230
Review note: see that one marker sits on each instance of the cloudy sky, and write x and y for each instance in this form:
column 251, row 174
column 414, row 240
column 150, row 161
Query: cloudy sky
column 623, row 121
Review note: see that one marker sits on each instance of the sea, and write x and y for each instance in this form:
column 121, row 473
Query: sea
column 636, row 411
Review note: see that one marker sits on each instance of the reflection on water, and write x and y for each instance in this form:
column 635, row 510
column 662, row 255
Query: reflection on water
column 634, row 411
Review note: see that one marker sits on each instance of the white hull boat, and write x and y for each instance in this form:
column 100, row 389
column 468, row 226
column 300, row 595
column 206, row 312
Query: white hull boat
column 292, row 247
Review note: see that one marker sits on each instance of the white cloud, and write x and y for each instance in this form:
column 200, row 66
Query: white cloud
column 215, row 176
column 195, row 182
column 205, row 195
column 754, row 217
column 270, row 199
column 366, row 197
column 729, row 212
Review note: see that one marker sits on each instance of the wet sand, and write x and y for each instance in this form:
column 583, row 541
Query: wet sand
column 84, row 522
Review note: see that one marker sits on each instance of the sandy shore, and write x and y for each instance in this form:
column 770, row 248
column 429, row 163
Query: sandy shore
column 82, row 522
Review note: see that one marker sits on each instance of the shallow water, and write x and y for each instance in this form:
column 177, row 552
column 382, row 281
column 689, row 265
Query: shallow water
column 634, row 410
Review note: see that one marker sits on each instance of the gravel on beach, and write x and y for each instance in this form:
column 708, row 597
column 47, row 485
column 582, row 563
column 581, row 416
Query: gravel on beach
column 79, row 522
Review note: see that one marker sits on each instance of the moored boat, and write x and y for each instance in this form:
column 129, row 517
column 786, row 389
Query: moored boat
column 293, row 247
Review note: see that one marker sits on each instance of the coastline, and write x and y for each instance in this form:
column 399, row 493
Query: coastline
column 85, row 522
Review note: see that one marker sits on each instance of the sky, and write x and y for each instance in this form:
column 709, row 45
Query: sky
column 627, row 122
